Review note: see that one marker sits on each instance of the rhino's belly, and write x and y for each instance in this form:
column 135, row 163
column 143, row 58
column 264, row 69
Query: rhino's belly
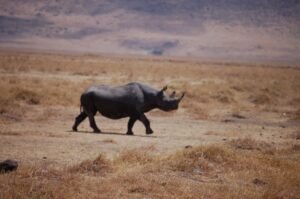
column 114, row 115
column 115, row 110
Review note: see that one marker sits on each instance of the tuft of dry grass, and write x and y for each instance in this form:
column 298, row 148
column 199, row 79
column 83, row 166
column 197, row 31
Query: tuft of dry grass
column 260, row 99
column 99, row 166
column 139, row 156
column 36, row 182
column 28, row 96
column 203, row 159
column 251, row 144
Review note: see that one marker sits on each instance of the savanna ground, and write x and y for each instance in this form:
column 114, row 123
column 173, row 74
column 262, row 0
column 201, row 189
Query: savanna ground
column 236, row 134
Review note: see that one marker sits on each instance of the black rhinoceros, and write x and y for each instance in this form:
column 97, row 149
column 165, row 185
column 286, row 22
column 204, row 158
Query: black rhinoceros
column 131, row 100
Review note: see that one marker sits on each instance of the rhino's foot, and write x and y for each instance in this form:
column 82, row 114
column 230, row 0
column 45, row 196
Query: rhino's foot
column 97, row 131
column 129, row 133
column 74, row 129
column 149, row 131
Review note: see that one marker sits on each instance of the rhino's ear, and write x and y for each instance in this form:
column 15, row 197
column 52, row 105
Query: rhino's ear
column 164, row 88
column 161, row 92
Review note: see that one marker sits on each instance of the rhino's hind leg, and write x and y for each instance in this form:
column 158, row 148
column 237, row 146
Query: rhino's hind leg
column 130, row 125
column 78, row 120
column 146, row 123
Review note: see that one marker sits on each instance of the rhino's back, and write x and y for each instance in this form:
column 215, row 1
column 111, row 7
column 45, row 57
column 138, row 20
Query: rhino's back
column 116, row 102
column 129, row 94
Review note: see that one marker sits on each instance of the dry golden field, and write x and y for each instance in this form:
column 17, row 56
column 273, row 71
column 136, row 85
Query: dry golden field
column 235, row 135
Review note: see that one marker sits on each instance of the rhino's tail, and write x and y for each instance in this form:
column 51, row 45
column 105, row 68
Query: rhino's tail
column 81, row 103
column 81, row 108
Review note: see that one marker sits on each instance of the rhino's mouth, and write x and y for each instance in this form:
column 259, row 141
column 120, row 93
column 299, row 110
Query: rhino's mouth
column 170, row 107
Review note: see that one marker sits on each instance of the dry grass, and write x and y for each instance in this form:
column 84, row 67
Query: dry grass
column 36, row 182
column 251, row 144
column 139, row 156
column 201, row 159
column 38, row 88
column 295, row 135
column 99, row 166
column 207, row 171
column 296, row 115
column 212, row 90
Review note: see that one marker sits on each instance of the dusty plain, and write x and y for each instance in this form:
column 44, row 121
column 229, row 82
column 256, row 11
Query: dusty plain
column 235, row 135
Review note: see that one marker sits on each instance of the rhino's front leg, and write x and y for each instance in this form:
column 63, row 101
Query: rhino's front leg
column 146, row 123
column 131, row 122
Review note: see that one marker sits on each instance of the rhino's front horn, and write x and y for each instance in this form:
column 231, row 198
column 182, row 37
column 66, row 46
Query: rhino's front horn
column 180, row 98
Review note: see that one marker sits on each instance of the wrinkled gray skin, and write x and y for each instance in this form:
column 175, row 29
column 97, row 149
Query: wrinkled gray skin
column 131, row 100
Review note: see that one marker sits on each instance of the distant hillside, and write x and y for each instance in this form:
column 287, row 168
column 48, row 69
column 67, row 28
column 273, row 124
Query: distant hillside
column 252, row 30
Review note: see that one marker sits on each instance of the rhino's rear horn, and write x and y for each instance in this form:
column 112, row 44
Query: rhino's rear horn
column 173, row 94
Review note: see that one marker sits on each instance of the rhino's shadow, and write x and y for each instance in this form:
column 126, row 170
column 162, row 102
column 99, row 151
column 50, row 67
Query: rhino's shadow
column 115, row 133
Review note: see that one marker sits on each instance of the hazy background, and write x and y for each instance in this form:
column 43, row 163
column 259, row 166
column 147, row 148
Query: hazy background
column 234, row 30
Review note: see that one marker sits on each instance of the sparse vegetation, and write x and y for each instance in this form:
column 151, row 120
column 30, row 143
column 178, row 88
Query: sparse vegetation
column 251, row 144
column 135, row 156
column 210, row 171
column 98, row 166
column 255, row 155
column 211, row 89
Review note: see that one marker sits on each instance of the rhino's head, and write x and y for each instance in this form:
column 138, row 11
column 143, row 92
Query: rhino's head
column 168, row 103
